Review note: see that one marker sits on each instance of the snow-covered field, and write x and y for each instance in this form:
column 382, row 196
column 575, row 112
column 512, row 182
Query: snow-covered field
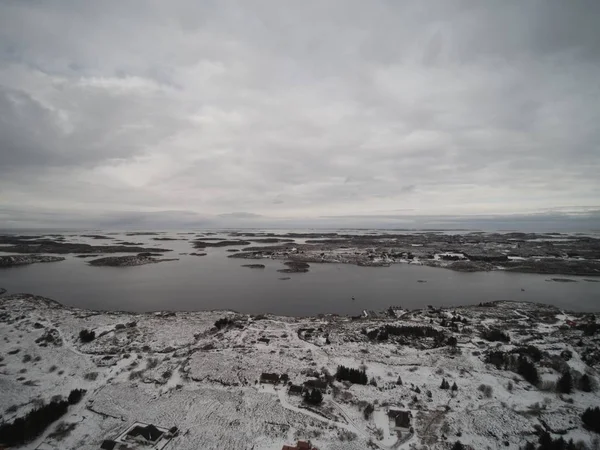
column 180, row 370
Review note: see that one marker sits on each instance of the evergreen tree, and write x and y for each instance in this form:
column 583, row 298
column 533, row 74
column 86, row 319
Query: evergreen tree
column 458, row 446
column 591, row 419
column 355, row 376
column 313, row 397
column 454, row 387
column 527, row 370
column 585, row 383
column 565, row 383
column 399, row 381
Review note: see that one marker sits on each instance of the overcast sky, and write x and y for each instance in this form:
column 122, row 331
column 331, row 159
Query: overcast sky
column 297, row 110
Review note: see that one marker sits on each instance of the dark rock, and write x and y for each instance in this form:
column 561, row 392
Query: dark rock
column 232, row 250
column 197, row 254
column 284, row 278
column 254, row 266
column 95, row 236
column 22, row 260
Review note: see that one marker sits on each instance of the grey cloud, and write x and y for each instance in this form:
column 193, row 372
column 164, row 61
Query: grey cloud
column 299, row 111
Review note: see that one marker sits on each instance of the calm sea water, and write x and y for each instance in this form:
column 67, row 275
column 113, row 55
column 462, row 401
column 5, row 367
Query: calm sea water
column 217, row 282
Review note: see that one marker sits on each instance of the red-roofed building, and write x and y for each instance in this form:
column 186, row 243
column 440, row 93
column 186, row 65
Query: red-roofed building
column 300, row 445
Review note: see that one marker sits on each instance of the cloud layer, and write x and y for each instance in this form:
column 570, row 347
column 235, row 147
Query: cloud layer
column 240, row 110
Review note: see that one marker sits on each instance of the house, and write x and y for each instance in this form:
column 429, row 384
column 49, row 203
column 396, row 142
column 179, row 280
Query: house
column 399, row 419
column 319, row 385
column 149, row 433
column 108, row 444
column 294, row 389
column 271, row 378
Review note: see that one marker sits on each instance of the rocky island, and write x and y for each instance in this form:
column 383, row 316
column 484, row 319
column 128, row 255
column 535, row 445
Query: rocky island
column 497, row 375
column 128, row 261
column 23, row 260
column 471, row 252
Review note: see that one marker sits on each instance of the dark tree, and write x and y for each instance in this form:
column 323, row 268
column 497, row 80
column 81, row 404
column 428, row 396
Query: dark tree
column 87, row 335
column 527, row 370
column 25, row 429
column 399, row 381
column 355, row 376
column 591, row 419
column 452, row 341
column 585, row 383
column 458, row 446
column 565, row 383
column 445, row 384
column 454, row 387
column 368, row 411
column 494, row 335
column 75, row 396
column 313, row 397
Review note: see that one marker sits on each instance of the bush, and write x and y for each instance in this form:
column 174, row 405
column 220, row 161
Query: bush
column 495, row 335
column 87, row 335
column 223, row 323
column 368, row 411
column 25, row 429
column 356, row 376
column 486, row 390
column 151, row 363
column 75, row 396
column 90, row 376
column 591, row 419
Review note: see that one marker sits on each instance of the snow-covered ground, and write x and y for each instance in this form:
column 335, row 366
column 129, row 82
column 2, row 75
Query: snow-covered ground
column 179, row 370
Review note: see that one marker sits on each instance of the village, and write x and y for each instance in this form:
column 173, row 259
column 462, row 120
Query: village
column 430, row 378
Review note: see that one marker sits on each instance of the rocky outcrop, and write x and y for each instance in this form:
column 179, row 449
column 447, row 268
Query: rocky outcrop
column 23, row 260
column 206, row 243
column 127, row 261
column 295, row 267
column 254, row 266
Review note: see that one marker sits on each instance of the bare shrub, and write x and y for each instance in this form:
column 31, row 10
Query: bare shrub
column 90, row 376
column 486, row 390
column 134, row 375
column 151, row 363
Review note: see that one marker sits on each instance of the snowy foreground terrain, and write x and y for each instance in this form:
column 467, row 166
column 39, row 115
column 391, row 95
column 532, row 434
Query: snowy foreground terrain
column 180, row 370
